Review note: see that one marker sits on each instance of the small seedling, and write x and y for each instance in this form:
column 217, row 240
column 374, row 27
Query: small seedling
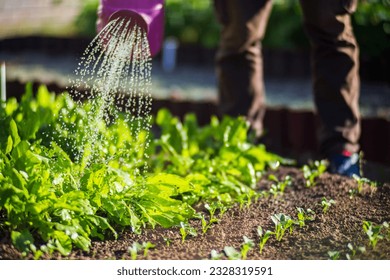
column 279, row 186
column 211, row 208
column 374, row 232
column 215, row 255
column 186, row 229
column 231, row 253
column 304, row 215
column 352, row 193
column 312, row 171
column 217, row 205
column 282, row 224
column 274, row 164
column 334, row 255
column 326, row 204
column 206, row 225
column 167, row 240
column 354, row 250
column 147, row 246
column 246, row 246
column 222, row 208
column 134, row 249
column 360, row 182
column 264, row 236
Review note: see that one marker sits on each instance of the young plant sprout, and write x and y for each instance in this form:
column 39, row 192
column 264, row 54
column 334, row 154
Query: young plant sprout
column 274, row 164
column 282, row 224
column 264, row 236
column 312, row 171
column 147, row 246
column 206, row 225
column 374, row 232
column 215, row 255
column 218, row 205
column 211, row 208
column 222, row 208
column 186, row 229
column 354, row 250
column 231, row 253
column 134, row 249
column 304, row 216
column 137, row 247
column 352, row 193
column 361, row 181
column 246, row 246
column 279, row 186
column 326, row 204
column 334, row 255
column 167, row 240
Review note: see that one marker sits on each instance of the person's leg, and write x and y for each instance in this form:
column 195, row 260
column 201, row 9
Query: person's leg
column 335, row 73
column 239, row 59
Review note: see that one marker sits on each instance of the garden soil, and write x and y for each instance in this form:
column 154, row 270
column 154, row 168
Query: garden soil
column 330, row 231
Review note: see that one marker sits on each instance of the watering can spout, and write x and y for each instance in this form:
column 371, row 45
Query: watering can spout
column 133, row 17
column 147, row 14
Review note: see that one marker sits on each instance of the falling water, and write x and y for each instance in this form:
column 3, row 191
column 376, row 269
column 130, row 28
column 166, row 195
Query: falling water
column 114, row 74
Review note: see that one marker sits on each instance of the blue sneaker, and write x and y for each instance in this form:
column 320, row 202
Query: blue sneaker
column 346, row 164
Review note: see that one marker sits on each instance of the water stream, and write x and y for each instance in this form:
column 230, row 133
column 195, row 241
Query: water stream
column 113, row 75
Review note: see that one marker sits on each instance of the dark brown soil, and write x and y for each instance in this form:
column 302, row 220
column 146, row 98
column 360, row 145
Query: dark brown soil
column 332, row 231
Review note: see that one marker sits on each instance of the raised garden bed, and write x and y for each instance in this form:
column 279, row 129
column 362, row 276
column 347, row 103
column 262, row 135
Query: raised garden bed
column 329, row 232
column 193, row 172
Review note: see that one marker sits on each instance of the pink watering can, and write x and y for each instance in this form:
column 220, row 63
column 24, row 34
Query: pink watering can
column 148, row 14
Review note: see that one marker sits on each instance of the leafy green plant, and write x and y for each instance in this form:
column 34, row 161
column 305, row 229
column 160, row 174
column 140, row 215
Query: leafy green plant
column 217, row 158
column 312, row 171
column 264, row 236
column 325, row 203
column 304, row 216
column 282, row 224
column 374, row 232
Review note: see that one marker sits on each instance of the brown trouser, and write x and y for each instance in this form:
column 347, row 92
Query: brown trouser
column 334, row 66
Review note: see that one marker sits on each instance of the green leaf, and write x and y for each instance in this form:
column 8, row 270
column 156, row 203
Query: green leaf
column 101, row 223
column 63, row 242
column 14, row 132
column 170, row 184
column 20, row 149
column 8, row 149
column 22, row 240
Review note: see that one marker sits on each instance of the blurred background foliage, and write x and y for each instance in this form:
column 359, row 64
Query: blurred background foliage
column 194, row 22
